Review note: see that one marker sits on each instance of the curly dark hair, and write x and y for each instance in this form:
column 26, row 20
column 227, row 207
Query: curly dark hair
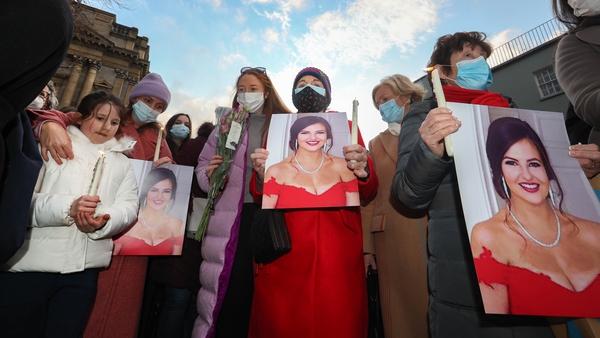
column 451, row 43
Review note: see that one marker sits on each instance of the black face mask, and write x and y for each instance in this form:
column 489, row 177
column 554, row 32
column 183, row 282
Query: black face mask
column 309, row 101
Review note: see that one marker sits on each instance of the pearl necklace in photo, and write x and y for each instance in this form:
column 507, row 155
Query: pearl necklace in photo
column 551, row 245
column 310, row 172
column 149, row 227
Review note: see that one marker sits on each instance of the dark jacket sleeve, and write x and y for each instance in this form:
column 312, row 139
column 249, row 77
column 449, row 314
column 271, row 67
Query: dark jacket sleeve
column 188, row 155
column 419, row 171
column 577, row 58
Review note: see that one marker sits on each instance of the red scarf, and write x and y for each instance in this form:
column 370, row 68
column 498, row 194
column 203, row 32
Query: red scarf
column 480, row 97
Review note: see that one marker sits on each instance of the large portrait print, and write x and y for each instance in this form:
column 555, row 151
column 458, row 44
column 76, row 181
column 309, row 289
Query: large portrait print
column 164, row 199
column 306, row 166
column 531, row 215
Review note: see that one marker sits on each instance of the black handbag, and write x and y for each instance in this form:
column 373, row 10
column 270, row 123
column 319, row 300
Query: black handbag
column 374, row 303
column 269, row 235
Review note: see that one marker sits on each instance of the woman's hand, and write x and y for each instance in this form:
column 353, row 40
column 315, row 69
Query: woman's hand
column 87, row 223
column 55, row 139
column 213, row 164
column 356, row 159
column 370, row 260
column 588, row 156
column 259, row 158
column 162, row 161
column 439, row 123
column 84, row 204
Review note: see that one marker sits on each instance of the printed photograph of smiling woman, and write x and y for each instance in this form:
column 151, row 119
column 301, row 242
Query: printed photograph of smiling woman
column 164, row 195
column 306, row 166
column 535, row 236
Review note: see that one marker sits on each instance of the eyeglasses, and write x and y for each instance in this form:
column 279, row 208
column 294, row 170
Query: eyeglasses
column 258, row 69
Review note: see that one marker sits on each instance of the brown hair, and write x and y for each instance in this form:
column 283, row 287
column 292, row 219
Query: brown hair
column 451, row 43
column 273, row 103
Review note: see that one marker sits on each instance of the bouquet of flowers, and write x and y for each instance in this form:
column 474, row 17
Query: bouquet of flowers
column 230, row 131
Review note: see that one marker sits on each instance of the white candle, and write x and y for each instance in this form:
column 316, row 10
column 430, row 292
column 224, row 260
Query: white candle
column 441, row 101
column 158, row 142
column 354, row 135
column 96, row 179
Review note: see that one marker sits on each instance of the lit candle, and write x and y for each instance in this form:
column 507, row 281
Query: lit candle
column 158, row 142
column 354, row 135
column 441, row 101
column 96, row 179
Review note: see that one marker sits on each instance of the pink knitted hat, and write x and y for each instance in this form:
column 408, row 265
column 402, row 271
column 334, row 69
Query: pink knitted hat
column 152, row 85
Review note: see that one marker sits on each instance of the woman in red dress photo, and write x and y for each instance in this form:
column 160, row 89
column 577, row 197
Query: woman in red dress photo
column 310, row 176
column 532, row 257
column 156, row 232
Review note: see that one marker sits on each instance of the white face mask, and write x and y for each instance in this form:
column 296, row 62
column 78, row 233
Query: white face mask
column 251, row 100
column 37, row 103
column 585, row 7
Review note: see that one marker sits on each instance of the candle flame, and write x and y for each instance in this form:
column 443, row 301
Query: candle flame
column 101, row 152
column 428, row 69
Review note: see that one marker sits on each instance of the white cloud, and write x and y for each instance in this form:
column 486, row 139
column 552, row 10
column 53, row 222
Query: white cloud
column 240, row 18
column 231, row 58
column 502, row 37
column 247, row 36
column 360, row 34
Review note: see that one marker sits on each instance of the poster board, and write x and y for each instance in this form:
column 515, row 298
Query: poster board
column 165, row 207
column 327, row 183
column 572, row 291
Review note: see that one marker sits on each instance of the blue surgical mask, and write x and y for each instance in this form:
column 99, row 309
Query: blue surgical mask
column 474, row 74
column 319, row 90
column 180, row 131
column 391, row 112
column 143, row 114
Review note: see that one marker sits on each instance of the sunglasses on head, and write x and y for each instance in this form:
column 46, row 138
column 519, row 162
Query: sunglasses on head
column 258, row 69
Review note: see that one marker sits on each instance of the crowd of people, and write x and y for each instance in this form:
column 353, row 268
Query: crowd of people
column 75, row 256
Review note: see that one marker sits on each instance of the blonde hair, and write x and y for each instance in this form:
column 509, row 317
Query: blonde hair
column 401, row 86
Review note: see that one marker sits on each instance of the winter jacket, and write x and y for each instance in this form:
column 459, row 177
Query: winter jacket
column 53, row 242
column 577, row 57
column 219, row 244
column 424, row 180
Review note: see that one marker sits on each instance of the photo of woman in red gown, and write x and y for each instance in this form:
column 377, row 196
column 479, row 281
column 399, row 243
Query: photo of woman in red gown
column 310, row 176
column 532, row 257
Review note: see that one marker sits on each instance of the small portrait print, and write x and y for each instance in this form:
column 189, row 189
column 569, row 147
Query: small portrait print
column 538, row 251
column 160, row 226
column 309, row 170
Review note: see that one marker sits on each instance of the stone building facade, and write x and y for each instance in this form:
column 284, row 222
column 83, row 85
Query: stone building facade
column 104, row 55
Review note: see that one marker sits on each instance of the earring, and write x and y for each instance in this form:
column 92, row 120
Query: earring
column 145, row 199
column 327, row 145
column 296, row 145
column 506, row 190
column 170, row 205
column 551, row 193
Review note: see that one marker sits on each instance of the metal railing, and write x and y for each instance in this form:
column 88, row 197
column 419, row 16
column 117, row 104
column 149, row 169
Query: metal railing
column 527, row 41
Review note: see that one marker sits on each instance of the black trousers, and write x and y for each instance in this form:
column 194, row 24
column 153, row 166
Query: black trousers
column 234, row 317
column 40, row 304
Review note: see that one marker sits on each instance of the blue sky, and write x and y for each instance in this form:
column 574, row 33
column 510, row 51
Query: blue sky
column 199, row 46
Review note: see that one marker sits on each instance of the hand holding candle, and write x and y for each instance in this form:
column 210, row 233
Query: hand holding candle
column 354, row 135
column 158, row 143
column 97, row 173
column 441, row 101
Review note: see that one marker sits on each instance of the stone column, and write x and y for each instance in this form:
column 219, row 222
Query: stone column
column 67, row 95
column 95, row 66
column 132, row 81
column 119, row 80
